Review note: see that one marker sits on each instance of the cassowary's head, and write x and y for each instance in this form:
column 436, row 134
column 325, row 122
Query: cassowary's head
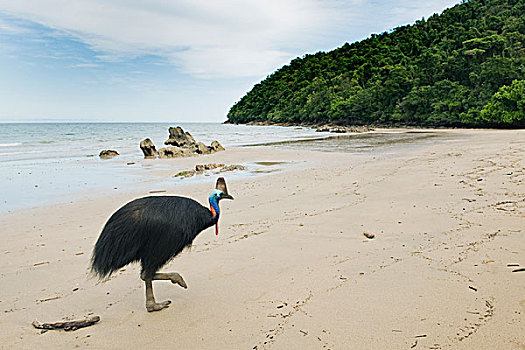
column 217, row 195
column 220, row 192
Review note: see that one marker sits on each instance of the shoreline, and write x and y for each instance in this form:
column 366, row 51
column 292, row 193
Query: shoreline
column 368, row 127
column 57, row 183
column 291, row 267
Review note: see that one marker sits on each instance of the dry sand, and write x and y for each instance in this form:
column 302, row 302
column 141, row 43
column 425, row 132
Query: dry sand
column 291, row 268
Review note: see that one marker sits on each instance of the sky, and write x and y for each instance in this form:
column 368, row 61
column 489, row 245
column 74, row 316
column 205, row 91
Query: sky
column 168, row 60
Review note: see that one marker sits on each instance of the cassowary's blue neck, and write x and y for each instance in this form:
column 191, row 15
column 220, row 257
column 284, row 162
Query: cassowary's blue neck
column 214, row 204
column 215, row 210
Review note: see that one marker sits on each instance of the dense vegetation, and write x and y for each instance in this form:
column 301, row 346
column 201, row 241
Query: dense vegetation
column 464, row 67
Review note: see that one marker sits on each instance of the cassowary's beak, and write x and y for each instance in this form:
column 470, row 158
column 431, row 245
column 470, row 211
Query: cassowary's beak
column 226, row 196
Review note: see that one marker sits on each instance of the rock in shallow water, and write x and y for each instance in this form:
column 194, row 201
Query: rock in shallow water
column 148, row 148
column 216, row 146
column 108, row 153
column 201, row 148
column 174, row 152
column 181, row 144
column 201, row 168
column 343, row 129
column 179, row 138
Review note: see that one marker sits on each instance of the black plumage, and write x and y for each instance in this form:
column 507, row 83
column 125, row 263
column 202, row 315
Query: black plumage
column 152, row 231
column 149, row 230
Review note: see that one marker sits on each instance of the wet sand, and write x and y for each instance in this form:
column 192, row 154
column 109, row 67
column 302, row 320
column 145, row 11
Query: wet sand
column 291, row 267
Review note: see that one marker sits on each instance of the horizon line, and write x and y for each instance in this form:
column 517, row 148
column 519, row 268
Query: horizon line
column 43, row 121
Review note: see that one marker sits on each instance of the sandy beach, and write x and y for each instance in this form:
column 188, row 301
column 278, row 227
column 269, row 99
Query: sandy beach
column 291, row 267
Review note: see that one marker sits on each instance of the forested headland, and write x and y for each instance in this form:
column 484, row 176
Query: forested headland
column 462, row 68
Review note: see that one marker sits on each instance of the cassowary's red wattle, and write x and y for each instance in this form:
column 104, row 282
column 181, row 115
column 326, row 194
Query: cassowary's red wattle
column 217, row 224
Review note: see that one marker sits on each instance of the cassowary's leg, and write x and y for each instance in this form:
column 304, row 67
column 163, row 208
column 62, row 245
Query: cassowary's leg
column 151, row 304
column 172, row 276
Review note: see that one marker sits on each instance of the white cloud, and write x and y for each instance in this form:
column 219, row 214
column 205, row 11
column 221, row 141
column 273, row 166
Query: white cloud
column 219, row 38
column 386, row 15
column 85, row 65
column 11, row 28
column 206, row 38
column 212, row 62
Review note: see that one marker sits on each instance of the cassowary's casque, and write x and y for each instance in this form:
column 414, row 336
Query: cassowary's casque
column 152, row 231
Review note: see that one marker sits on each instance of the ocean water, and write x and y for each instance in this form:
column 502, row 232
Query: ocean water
column 359, row 143
column 33, row 141
column 43, row 163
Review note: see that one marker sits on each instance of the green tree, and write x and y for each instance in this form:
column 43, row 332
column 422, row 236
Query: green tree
column 507, row 106
column 442, row 71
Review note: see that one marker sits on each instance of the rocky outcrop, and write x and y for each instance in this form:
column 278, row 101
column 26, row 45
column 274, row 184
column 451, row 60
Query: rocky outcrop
column 201, row 148
column 108, row 153
column 216, row 146
column 148, row 148
column 201, row 168
column 174, row 152
column 180, row 143
column 179, row 138
column 343, row 129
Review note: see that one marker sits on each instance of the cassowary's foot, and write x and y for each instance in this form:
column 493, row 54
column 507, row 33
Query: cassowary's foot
column 175, row 278
column 151, row 305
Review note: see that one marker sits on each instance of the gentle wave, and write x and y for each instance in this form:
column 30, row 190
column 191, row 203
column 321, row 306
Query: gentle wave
column 72, row 152
column 22, row 152
column 38, row 141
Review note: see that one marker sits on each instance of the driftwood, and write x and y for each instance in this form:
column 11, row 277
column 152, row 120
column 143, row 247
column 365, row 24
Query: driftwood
column 68, row 325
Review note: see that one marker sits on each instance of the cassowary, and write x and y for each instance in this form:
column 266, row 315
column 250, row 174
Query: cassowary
column 152, row 231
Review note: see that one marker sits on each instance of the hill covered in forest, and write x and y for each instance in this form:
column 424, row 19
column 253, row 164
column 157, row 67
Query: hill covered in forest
column 463, row 68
